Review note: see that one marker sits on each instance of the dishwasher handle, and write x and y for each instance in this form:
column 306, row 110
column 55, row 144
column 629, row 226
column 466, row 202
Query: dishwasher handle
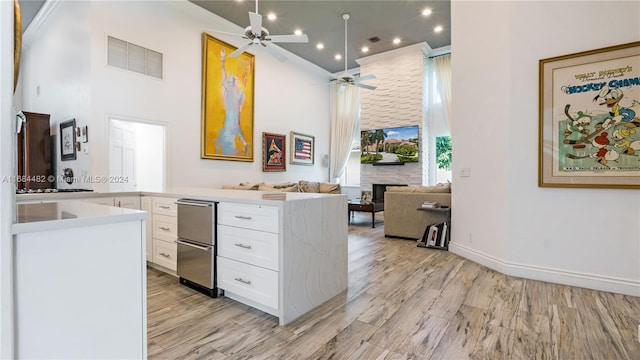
column 203, row 248
column 194, row 203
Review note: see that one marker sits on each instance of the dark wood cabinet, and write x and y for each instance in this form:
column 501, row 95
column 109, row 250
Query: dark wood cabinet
column 34, row 153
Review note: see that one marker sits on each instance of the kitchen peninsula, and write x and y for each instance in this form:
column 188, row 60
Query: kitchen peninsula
column 307, row 246
column 80, row 281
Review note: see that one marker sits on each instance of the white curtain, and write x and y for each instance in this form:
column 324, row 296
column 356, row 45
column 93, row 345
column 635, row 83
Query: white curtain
column 442, row 67
column 345, row 121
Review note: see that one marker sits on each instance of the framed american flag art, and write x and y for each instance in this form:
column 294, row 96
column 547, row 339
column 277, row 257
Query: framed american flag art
column 302, row 149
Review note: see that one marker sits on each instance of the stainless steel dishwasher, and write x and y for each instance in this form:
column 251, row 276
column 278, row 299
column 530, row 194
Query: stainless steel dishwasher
column 197, row 245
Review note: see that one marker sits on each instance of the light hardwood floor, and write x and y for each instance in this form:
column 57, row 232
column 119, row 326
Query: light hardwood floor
column 403, row 302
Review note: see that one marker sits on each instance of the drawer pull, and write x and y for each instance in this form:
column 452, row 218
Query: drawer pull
column 164, row 228
column 165, row 255
column 248, row 282
column 164, row 207
column 243, row 246
column 243, row 217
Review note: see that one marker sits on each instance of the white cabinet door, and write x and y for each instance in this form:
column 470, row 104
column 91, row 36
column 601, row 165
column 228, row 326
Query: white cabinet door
column 129, row 202
column 146, row 205
column 105, row 200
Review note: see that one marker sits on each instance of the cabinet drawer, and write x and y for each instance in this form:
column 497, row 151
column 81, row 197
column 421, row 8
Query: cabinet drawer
column 165, row 254
column 256, row 217
column 250, row 246
column 252, row 282
column 165, row 227
column 165, row 206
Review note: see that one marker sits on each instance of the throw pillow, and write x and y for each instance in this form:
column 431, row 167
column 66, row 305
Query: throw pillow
column 309, row 186
column 242, row 186
column 264, row 187
column 328, row 188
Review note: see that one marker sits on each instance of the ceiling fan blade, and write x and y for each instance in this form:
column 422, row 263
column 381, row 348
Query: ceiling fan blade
column 365, row 78
column 225, row 33
column 256, row 23
column 240, row 50
column 276, row 53
column 288, row 38
column 365, row 86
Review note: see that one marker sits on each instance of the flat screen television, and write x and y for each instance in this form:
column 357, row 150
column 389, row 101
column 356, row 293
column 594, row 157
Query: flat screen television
column 389, row 146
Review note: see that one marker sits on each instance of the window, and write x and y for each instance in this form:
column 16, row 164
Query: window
column 443, row 159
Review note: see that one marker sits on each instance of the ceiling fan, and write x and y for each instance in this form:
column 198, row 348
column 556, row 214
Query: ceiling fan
column 259, row 35
column 346, row 78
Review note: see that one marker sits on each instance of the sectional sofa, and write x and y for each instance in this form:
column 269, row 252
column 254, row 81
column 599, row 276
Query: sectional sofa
column 300, row 186
column 401, row 215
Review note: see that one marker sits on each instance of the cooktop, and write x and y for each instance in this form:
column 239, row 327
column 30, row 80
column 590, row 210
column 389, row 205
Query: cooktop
column 44, row 191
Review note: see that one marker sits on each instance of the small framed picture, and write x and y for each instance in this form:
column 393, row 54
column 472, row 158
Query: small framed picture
column 302, row 149
column 68, row 140
column 273, row 152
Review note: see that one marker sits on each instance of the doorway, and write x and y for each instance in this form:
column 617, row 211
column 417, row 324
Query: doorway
column 136, row 155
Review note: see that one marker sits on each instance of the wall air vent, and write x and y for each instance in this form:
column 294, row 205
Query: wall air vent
column 132, row 57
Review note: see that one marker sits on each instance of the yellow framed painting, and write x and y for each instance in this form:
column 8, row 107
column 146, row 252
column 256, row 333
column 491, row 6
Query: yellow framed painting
column 227, row 102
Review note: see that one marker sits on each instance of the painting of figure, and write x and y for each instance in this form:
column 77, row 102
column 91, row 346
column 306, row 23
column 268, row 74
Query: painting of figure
column 227, row 102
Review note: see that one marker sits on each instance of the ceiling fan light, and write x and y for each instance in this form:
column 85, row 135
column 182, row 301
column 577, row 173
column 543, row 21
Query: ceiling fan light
column 396, row 41
column 319, row 46
column 426, row 12
column 271, row 16
column 438, row 28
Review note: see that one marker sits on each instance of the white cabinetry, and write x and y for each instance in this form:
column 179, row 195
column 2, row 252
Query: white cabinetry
column 165, row 232
column 248, row 248
column 128, row 202
column 146, row 204
column 103, row 200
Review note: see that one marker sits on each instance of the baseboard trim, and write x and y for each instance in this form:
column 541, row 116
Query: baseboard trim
column 559, row 276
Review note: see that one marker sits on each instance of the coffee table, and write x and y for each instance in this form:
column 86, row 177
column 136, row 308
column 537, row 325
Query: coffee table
column 371, row 207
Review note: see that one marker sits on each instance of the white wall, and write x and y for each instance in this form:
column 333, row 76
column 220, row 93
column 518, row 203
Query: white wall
column 287, row 95
column 582, row 237
column 55, row 76
column 7, row 188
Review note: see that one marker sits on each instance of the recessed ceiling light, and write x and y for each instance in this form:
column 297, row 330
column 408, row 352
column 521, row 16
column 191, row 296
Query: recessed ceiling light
column 396, row 41
column 298, row 32
column 426, row 12
column 365, row 49
column 272, row 16
column 338, row 56
column 320, row 46
column 437, row 28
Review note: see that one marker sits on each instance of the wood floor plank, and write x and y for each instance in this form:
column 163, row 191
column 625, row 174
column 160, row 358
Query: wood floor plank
column 403, row 322
column 532, row 338
column 346, row 342
column 403, row 302
column 462, row 334
column 494, row 343
column 421, row 342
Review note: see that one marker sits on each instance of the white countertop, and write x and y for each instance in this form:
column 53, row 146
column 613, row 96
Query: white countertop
column 38, row 217
column 212, row 194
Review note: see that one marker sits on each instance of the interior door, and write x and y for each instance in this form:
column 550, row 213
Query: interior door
column 122, row 159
